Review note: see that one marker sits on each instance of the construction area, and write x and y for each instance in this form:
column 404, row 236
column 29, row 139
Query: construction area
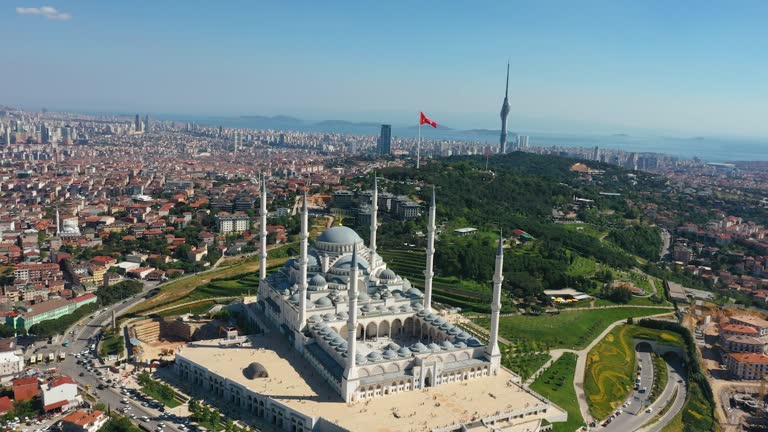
column 732, row 342
column 158, row 338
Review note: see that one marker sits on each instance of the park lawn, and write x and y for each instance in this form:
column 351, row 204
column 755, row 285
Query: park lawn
column 179, row 290
column 635, row 301
column 567, row 329
column 586, row 229
column 155, row 393
column 113, row 343
column 581, row 266
column 194, row 309
column 611, row 366
column 525, row 364
column 556, row 384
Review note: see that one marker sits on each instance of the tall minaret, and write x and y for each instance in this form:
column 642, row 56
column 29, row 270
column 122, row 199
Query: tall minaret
column 350, row 371
column 492, row 351
column 374, row 211
column 504, row 115
column 304, row 236
column 58, row 223
column 428, row 272
column 263, row 217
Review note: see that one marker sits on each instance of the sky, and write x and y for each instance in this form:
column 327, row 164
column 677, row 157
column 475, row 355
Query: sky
column 680, row 67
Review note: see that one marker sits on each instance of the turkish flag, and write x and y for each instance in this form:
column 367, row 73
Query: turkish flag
column 423, row 119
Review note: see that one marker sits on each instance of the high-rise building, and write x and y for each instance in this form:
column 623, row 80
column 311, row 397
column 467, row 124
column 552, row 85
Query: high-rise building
column 522, row 142
column 504, row 115
column 7, row 135
column 137, row 123
column 45, row 134
column 596, row 154
column 237, row 140
column 385, row 140
column 146, row 123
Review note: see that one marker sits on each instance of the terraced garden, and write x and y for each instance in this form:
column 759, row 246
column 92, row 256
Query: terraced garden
column 468, row 295
column 611, row 366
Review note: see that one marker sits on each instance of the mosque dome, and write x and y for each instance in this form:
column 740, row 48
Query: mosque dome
column 345, row 263
column 315, row 318
column 418, row 347
column 342, row 347
column 360, row 359
column 460, row 344
column 387, row 275
column 414, row 292
column 323, row 301
column 339, row 235
column 343, row 315
column 389, row 354
column 329, row 317
column 294, row 299
column 255, row 370
column 318, row 281
column 454, row 331
column 404, row 352
column 446, row 345
column 438, row 321
column 433, row 346
column 374, row 356
column 464, row 335
column 473, row 342
column 363, row 296
column 430, row 317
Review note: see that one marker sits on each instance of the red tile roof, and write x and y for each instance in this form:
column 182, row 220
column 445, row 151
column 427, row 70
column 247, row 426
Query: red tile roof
column 5, row 404
column 55, row 405
column 753, row 358
column 61, row 380
column 25, row 388
column 737, row 328
column 83, row 417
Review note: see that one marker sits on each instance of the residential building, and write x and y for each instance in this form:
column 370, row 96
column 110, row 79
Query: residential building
column 232, row 223
column 84, row 421
column 747, row 366
column 60, row 394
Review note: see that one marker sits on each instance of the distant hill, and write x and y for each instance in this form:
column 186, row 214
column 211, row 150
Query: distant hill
column 277, row 118
column 345, row 123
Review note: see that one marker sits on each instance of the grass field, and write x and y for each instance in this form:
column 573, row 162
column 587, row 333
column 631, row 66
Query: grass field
column 181, row 291
column 525, row 364
column 611, row 366
column 581, row 266
column 113, row 343
column 195, row 309
column 556, row 384
column 568, row 329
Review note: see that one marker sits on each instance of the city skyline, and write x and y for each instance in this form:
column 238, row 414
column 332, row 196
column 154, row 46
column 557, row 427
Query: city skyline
column 602, row 67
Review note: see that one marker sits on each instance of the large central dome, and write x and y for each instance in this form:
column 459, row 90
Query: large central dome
column 339, row 235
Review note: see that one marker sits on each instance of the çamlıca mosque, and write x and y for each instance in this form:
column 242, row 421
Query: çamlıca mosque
column 367, row 333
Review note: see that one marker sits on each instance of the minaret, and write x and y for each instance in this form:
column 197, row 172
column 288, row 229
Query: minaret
column 58, row 223
column 504, row 115
column 263, row 217
column 304, row 236
column 492, row 351
column 374, row 212
column 428, row 272
column 350, row 371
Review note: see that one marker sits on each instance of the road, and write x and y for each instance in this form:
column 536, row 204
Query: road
column 634, row 419
column 109, row 396
column 634, row 407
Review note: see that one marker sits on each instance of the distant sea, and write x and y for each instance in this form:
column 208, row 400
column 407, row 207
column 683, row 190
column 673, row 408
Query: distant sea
column 709, row 149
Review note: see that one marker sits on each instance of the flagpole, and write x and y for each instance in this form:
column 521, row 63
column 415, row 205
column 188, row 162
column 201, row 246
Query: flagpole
column 418, row 148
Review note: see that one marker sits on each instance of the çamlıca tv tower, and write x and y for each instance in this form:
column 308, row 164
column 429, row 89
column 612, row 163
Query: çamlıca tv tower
column 504, row 115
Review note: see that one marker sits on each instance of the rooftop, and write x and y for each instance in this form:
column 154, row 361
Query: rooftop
column 294, row 383
column 754, row 358
column 751, row 320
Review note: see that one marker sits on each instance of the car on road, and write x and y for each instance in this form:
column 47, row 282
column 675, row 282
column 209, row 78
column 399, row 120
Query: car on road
column 649, row 410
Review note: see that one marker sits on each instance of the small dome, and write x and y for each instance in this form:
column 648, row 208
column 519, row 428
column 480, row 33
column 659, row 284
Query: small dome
column 460, row 344
column 363, row 297
column 446, row 326
column 433, row 346
column 389, row 354
column 323, row 301
column 315, row 318
column 431, row 317
column 366, row 308
column 339, row 235
column 397, row 293
column 329, row 317
column 387, row 275
column 453, row 331
column 473, row 342
column 464, row 335
column 418, row 347
column 312, row 260
column 374, row 356
column 413, row 292
column 360, row 359
column 405, row 308
column 345, row 263
column 342, row 315
column 324, row 331
column 294, row 299
column 438, row 321
column 381, row 308
column 446, row 345
column 336, row 341
column 418, row 306
column 393, row 346
column 329, row 336
column 404, row 352
column 318, row 281
column 341, row 348
column 255, row 370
